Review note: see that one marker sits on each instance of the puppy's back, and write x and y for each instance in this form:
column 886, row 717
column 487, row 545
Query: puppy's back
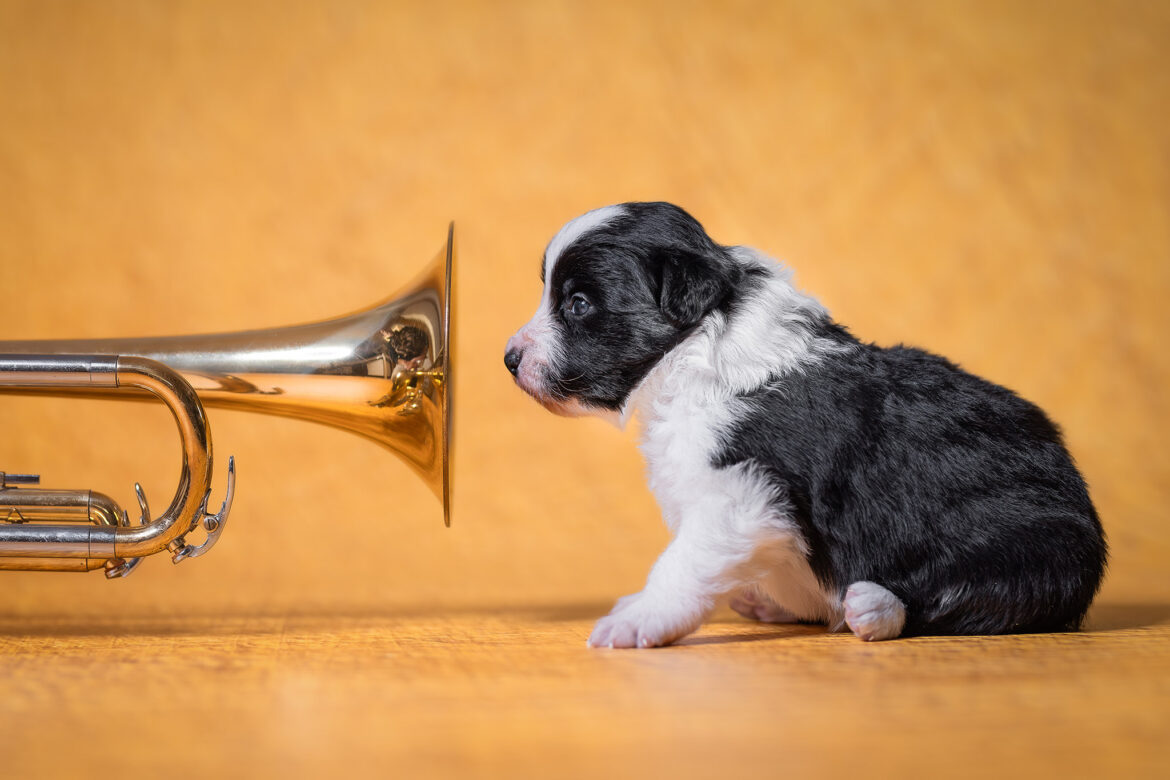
column 952, row 492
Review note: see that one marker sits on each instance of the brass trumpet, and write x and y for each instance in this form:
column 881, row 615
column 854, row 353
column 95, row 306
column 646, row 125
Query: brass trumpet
column 383, row 373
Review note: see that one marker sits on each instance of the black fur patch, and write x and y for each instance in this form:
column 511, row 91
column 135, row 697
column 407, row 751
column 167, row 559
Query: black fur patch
column 952, row 492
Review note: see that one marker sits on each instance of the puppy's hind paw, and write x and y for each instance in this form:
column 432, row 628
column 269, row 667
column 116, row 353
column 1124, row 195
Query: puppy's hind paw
column 754, row 605
column 872, row 612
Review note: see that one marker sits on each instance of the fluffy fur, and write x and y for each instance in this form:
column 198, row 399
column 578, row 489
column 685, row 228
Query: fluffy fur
column 804, row 475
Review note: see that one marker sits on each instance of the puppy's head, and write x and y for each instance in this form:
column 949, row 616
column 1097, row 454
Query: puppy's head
column 622, row 286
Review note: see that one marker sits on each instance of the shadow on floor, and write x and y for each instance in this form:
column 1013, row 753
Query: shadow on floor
column 1114, row 617
column 776, row 632
column 260, row 621
column 1109, row 616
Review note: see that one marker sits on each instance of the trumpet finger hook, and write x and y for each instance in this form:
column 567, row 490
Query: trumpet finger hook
column 215, row 523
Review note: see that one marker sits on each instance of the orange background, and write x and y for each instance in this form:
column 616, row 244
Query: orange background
column 989, row 180
column 986, row 180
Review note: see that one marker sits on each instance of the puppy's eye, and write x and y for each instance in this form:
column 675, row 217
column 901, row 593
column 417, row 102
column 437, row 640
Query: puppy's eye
column 579, row 305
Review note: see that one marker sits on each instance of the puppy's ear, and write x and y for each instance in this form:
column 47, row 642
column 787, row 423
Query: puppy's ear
column 693, row 284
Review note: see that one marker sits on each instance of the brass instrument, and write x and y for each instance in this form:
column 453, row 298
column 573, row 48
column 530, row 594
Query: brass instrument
column 383, row 373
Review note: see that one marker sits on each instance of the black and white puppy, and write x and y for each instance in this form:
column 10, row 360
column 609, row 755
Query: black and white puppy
column 805, row 475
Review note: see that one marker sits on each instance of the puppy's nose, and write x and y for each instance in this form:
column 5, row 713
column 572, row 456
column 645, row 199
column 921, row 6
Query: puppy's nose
column 512, row 360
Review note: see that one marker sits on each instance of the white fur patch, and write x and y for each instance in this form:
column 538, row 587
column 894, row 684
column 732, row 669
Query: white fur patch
column 572, row 231
column 872, row 612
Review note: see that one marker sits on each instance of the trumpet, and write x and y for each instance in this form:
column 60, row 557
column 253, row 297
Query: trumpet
column 383, row 373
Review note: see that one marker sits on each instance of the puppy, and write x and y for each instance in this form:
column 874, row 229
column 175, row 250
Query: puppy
column 805, row 475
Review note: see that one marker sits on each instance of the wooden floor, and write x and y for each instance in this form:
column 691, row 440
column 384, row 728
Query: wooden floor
column 988, row 179
column 514, row 693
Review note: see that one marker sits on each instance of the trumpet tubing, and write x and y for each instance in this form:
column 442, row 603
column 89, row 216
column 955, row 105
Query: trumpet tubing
column 383, row 373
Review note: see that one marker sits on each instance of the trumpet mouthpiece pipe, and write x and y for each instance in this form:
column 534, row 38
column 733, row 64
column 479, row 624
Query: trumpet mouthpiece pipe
column 58, row 370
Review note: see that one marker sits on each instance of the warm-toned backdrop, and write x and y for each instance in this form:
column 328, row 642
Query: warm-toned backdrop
column 987, row 180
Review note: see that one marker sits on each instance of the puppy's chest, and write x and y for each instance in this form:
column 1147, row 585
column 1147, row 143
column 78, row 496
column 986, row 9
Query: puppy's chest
column 679, row 442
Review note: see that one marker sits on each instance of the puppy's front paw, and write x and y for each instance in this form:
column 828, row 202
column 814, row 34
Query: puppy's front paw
column 636, row 621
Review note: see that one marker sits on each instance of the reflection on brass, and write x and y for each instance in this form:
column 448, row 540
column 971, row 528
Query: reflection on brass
column 233, row 384
column 383, row 373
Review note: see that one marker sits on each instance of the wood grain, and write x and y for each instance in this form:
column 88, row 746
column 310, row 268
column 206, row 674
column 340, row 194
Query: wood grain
column 990, row 180
column 513, row 693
